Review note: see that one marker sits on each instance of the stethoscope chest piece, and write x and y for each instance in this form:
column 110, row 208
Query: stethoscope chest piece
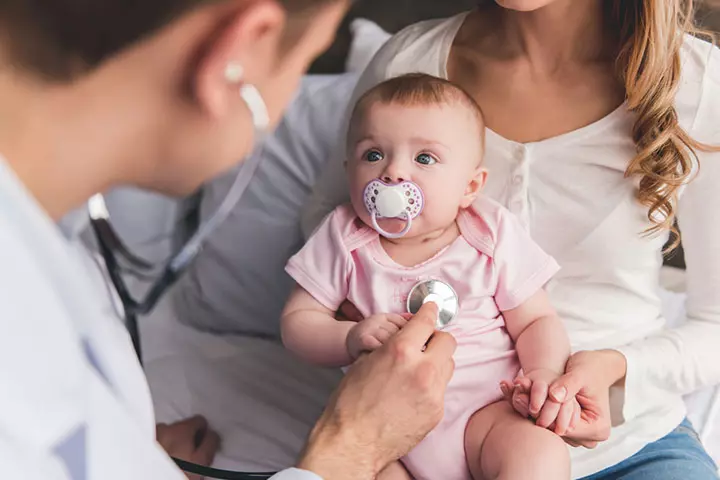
column 438, row 292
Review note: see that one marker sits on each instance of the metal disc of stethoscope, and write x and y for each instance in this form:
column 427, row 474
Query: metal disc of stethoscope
column 434, row 291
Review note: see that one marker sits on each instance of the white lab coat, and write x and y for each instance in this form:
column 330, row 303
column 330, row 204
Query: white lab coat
column 74, row 403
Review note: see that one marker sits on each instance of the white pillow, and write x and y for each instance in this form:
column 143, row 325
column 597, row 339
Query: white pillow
column 367, row 38
column 238, row 284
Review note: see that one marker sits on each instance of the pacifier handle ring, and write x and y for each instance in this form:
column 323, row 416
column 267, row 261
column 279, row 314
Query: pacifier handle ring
column 385, row 234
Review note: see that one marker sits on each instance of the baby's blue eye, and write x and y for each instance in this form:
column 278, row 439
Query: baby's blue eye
column 425, row 159
column 373, row 156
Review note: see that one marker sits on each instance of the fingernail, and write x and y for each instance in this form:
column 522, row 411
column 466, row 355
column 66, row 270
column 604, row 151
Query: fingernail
column 559, row 394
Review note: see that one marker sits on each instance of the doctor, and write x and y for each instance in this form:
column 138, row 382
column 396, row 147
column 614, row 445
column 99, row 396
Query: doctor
column 146, row 93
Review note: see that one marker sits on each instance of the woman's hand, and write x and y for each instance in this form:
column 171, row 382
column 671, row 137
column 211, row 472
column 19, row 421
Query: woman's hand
column 587, row 379
column 190, row 440
column 530, row 393
column 389, row 400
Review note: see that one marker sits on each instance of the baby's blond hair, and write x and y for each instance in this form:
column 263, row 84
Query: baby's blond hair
column 416, row 89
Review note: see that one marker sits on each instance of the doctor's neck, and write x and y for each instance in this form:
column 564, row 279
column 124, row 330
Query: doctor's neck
column 62, row 148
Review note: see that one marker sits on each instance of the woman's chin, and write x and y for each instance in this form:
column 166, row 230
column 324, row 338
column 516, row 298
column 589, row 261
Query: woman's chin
column 523, row 5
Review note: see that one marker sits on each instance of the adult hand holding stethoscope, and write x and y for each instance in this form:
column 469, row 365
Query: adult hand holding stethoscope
column 400, row 385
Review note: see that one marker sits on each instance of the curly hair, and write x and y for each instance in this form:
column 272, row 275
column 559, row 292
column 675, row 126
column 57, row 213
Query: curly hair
column 652, row 33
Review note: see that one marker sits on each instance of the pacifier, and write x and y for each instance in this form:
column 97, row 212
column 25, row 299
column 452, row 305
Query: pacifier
column 404, row 201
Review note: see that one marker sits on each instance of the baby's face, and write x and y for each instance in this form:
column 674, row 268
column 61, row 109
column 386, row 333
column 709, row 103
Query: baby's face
column 439, row 148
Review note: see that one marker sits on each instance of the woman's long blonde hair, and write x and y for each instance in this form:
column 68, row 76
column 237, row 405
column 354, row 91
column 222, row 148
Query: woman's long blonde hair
column 652, row 33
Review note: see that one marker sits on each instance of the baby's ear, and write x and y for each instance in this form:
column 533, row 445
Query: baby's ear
column 477, row 183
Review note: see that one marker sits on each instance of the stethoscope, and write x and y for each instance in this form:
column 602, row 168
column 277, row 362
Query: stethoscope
column 395, row 201
column 119, row 259
column 439, row 293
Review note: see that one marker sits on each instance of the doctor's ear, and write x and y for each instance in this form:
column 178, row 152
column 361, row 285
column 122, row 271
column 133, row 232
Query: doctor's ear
column 244, row 50
column 474, row 187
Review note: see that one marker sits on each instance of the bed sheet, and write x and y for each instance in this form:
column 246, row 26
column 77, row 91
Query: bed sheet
column 262, row 401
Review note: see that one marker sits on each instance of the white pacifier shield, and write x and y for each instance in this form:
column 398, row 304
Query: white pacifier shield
column 390, row 203
column 404, row 201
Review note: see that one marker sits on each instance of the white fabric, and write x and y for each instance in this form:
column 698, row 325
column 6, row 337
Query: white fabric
column 367, row 38
column 607, row 290
column 262, row 400
column 74, row 402
column 238, row 284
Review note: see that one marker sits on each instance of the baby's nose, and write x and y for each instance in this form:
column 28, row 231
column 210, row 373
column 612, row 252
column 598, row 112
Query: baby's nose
column 392, row 179
column 393, row 174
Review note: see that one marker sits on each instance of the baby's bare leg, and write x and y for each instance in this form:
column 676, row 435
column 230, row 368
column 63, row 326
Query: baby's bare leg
column 394, row 471
column 500, row 444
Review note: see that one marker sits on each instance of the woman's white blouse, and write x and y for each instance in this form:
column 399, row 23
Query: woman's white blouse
column 571, row 193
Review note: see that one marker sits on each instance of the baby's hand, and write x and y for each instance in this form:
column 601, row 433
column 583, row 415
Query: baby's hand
column 538, row 382
column 534, row 385
column 373, row 332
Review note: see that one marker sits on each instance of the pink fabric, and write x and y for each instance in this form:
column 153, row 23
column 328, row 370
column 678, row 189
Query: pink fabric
column 494, row 266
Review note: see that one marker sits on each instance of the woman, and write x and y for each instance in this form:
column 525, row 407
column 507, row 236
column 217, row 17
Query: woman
column 162, row 95
column 596, row 110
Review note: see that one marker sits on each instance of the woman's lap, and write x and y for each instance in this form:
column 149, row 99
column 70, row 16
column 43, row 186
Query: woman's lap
column 678, row 456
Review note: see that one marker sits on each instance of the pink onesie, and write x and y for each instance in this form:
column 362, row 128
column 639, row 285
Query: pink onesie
column 494, row 266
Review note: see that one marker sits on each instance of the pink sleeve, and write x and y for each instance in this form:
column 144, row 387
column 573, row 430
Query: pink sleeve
column 322, row 266
column 522, row 266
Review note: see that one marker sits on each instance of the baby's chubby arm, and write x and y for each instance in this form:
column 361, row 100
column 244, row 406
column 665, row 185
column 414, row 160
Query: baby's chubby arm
column 310, row 330
column 543, row 348
column 540, row 337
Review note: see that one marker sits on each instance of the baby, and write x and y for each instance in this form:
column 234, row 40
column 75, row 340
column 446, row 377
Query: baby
column 415, row 149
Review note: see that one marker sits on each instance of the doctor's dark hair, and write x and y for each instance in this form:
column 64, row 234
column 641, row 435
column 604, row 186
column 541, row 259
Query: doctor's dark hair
column 61, row 39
